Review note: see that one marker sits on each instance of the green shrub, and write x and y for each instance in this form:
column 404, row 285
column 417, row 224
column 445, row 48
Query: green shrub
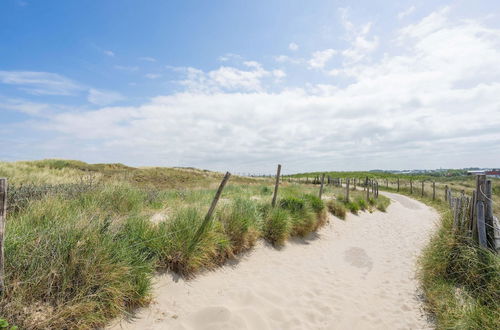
column 240, row 221
column 314, row 202
column 292, row 204
column 382, row 203
column 188, row 249
column 265, row 190
column 353, row 207
column 5, row 325
column 276, row 226
column 336, row 208
column 461, row 281
column 361, row 203
column 303, row 223
column 71, row 262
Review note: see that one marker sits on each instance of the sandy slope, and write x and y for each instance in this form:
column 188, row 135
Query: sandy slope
column 356, row 274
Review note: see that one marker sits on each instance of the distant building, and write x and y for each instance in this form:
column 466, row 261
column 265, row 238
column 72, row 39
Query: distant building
column 494, row 173
column 476, row 172
column 491, row 172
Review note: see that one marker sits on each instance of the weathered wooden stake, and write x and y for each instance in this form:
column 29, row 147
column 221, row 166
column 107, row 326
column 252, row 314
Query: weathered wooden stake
column 433, row 190
column 347, row 190
column 398, row 184
column 488, row 214
column 3, row 215
column 321, row 187
column 446, row 193
column 411, row 187
column 481, row 226
column 367, row 193
column 276, row 185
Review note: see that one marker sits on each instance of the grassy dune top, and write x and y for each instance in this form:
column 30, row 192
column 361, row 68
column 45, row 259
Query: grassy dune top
column 58, row 171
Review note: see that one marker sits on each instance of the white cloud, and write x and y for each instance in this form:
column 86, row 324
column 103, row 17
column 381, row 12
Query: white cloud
column 406, row 12
column 436, row 94
column 40, row 83
column 288, row 59
column 361, row 45
column 108, row 53
column 153, row 75
column 320, row 58
column 226, row 78
column 24, row 106
column 102, row 97
column 293, row 46
column 126, row 68
column 230, row 57
column 147, row 59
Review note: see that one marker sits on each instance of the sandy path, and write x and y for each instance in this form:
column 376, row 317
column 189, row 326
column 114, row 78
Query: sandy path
column 356, row 274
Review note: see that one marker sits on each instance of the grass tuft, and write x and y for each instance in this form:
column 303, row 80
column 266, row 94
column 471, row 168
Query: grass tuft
column 276, row 227
column 336, row 208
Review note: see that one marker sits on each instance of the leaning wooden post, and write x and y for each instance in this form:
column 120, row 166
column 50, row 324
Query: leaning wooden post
column 321, row 186
column 488, row 214
column 347, row 190
column 276, row 185
column 3, row 215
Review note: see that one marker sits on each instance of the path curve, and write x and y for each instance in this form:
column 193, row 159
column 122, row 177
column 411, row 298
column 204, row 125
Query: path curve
column 356, row 274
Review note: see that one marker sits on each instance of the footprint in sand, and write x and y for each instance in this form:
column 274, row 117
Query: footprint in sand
column 357, row 257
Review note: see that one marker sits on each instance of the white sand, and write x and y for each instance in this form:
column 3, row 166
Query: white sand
column 356, row 274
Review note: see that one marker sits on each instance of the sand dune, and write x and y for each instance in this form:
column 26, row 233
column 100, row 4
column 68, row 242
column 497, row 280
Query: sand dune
column 354, row 274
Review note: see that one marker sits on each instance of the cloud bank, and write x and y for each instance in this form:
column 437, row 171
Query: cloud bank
column 432, row 102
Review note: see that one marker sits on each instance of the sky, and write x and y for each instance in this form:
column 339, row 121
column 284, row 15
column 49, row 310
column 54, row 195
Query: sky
column 244, row 85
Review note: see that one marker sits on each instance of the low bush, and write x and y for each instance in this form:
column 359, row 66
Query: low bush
column 361, row 202
column 336, row 208
column 353, row 207
column 383, row 203
column 461, row 281
column 276, row 227
column 292, row 204
column 303, row 222
column 241, row 221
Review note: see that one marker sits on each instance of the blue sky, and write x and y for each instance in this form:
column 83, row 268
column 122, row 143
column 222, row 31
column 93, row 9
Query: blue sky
column 243, row 85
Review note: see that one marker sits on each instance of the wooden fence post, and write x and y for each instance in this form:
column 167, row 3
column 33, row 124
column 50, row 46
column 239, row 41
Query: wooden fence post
column 411, row 187
column 206, row 221
column 433, row 190
column 422, row 188
column 3, row 215
column 446, row 193
column 367, row 193
column 488, row 214
column 321, row 187
column 398, row 184
column 481, row 226
column 347, row 190
column 276, row 185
